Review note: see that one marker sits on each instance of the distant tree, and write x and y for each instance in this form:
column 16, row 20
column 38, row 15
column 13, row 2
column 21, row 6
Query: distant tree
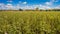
column 20, row 9
column 37, row 8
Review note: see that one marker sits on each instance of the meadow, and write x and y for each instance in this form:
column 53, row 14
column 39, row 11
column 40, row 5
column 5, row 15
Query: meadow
column 29, row 22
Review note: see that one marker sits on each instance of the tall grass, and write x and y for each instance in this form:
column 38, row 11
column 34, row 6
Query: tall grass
column 29, row 22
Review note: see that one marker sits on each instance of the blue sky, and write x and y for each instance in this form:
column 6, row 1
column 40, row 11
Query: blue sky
column 29, row 4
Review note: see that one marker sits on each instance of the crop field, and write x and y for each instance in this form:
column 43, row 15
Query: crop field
column 29, row 22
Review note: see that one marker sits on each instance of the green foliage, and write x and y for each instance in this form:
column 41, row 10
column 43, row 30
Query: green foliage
column 29, row 22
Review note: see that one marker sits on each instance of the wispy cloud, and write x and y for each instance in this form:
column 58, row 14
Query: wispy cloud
column 2, row 6
column 18, row 6
column 54, row 0
column 57, row 7
column 24, row 3
column 9, row 1
column 7, row 7
column 37, row 6
column 51, row 2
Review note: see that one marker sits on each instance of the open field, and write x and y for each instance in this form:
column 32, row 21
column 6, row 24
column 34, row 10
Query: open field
column 29, row 22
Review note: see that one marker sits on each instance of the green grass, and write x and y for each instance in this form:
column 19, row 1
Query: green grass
column 29, row 22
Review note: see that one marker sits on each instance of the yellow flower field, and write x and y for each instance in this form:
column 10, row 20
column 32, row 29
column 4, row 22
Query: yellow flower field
column 29, row 22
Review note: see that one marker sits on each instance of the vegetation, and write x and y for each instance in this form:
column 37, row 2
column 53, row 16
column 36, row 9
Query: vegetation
column 31, row 22
column 20, row 9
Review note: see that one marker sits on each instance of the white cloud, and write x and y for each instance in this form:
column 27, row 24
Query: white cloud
column 57, row 7
column 18, row 6
column 2, row 6
column 11, row 7
column 49, row 3
column 24, row 3
column 20, row 2
column 54, row 0
column 28, row 7
column 9, row 1
column 44, row 7
column 7, row 7
column 35, row 6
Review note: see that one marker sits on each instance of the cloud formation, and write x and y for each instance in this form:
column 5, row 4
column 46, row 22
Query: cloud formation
column 48, row 5
column 51, row 2
column 24, row 3
column 9, row 1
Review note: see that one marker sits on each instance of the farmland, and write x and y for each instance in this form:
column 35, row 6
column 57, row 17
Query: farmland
column 29, row 22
